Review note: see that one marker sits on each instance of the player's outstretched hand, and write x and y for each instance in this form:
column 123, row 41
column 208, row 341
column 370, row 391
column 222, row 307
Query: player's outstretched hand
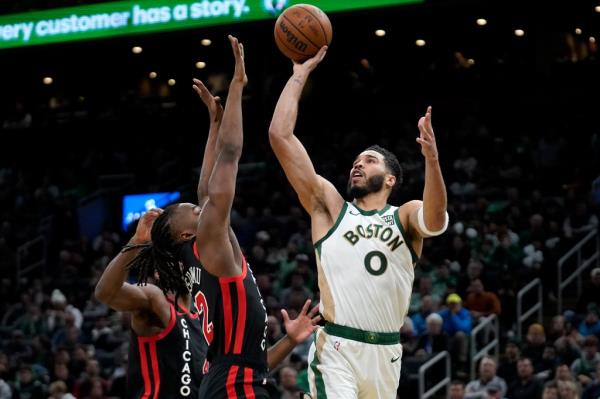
column 426, row 137
column 302, row 326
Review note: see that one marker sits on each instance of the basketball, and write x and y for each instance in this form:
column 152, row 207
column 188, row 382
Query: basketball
column 301, row 30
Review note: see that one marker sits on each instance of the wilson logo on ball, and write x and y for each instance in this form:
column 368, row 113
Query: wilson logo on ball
column 291, row 38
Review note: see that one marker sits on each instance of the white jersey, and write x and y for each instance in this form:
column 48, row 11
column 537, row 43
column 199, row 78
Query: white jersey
column 366, row 270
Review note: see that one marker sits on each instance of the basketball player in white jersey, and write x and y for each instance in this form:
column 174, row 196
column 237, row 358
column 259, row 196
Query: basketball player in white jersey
column 365, row 249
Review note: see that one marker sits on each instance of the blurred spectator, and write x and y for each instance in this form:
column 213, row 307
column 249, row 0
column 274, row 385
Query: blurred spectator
column 26, row 386
column 508, row 363
column 550, row 391
column 425, row 289
column 297, row 288
column 526, row 387
column 419, row 317
column 481, row 302
column 591, row 324
column 5, row 391
column 457, row 390
column 477, row 389
column 579, row 222
column 590, row 293
column 434, row 340
column 584, row 368
column 457, row 326
column 535, row 344
column 274, row 333
column 593, row 390
column 58, row 390
column 287, row 380
column 568, row 390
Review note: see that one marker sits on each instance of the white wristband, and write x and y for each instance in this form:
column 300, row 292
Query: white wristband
column 424, row 228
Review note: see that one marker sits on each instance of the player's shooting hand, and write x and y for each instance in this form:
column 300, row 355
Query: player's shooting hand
column 427, row 138
column 302, row 326
column 310, row 64
column 144, row 227
column 239, row 74
column 213, row 103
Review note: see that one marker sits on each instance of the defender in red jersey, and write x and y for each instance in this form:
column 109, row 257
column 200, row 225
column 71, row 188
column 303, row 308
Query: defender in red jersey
column 168, row 348
column 237, row 353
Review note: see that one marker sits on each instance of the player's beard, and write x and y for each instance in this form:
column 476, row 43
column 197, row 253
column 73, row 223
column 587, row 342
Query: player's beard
column 374, row 184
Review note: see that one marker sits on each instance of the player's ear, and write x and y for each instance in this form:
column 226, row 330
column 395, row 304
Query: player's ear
column 390, row 181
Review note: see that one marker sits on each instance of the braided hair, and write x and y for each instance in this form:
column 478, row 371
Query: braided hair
column 162, row 257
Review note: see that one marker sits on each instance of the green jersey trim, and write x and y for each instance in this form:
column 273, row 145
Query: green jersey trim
column 415, row 258
column 332, row 229
column 372, row 212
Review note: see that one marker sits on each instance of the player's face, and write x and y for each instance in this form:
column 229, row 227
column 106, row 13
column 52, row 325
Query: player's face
column 186, row 220
column 368, row 174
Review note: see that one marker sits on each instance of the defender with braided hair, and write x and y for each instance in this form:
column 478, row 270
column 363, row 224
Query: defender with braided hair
column 176, row 306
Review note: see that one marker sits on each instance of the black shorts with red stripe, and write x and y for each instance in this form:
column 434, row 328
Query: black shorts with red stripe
column 234, row 379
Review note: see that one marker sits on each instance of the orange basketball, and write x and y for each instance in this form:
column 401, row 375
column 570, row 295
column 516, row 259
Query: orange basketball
column 301, row 30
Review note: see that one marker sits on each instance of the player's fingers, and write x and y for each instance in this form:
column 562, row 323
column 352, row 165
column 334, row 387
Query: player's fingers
column 428, row 127
column 315, row 320
column 234, row 45
column 313, row 311
column 200, row 88
column 305, row 307
column 241, row 50
column 321, row 53
column 421, row 123
column 285, row 315
column 423, row 142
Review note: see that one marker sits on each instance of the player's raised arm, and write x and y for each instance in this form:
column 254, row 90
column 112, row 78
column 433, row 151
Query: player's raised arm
column 216, row 250
column 315, row 193
column 215, row 111
column 429, row 218
column 114, row 291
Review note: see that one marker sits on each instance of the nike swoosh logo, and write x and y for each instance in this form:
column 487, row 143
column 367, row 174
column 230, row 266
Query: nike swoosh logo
column 395, row 359
column 354, row 214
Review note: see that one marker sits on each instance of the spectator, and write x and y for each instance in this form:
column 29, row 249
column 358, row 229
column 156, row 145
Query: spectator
column 550, row 391
column 457, row 390
column 580, row 222
column 568, row 390
column 5, row 391
column 58, row 390
column 593, row 390
column 494, row 390
column 457, row 326
column 591, row 324
column 548, row 364
column 425, row 289
column 477, row 389
column 508, row 364
column 534, row 347
column 296, row 288
column 434, row 340
column 481, row 302
column 585, row 367
column 287, row 381
column 26, row 387
column 526, row 387
column 274, row 333
column 590, row 293
column 419, row 317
